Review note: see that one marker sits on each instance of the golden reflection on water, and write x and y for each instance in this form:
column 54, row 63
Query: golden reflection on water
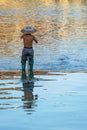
column 56, row 21
column 7, row 96
column 13, row 97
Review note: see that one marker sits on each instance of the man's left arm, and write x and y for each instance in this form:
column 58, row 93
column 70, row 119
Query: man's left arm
column 35, row 40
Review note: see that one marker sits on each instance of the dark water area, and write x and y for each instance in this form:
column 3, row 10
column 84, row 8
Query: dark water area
column 62, row 33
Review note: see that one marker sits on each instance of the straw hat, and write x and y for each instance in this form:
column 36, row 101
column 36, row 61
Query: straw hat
column 28, row 29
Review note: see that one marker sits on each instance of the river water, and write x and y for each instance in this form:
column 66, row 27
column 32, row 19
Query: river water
column 62, row 33
column 56, row 101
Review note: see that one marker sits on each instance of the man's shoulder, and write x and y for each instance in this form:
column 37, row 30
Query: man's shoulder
column 32, row 35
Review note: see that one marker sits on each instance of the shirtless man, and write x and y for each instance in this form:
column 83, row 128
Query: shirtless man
column 27, row 52
column 28, row 40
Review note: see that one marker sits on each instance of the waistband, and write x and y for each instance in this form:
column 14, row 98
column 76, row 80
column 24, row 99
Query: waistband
column 28, row 47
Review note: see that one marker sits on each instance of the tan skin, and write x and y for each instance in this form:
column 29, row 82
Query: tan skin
column 28, row 40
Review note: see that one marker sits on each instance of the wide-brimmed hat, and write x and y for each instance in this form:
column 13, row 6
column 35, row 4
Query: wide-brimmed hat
column 28, row 29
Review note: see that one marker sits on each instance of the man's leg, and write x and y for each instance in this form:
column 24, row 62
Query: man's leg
column 31, row 62
column 23, row 61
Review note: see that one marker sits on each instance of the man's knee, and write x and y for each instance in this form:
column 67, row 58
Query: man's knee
column 31, row 61
column 23, row 59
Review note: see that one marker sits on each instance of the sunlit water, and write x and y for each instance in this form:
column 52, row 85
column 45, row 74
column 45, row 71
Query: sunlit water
column 56, row 101
column 62, row 33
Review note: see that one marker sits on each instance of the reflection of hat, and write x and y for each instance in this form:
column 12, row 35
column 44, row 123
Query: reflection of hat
column 28, row 29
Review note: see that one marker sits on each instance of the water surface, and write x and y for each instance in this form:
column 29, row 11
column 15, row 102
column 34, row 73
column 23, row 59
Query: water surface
column 53, row 102
column 62, row 33
column 57, row 101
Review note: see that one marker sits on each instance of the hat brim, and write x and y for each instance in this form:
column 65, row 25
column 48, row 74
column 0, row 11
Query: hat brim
column 28, row 31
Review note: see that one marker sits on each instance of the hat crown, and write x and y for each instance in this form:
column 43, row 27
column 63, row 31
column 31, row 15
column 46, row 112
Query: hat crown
column 28, row 29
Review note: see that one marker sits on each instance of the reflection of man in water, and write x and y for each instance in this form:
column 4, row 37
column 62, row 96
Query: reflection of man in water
column 28, row 94
column 29, row 98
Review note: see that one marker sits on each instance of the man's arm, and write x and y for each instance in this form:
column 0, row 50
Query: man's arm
column 22, row 36
column 35, row 40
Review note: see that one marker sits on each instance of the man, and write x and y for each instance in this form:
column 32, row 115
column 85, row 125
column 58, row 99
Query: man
column 28, row 52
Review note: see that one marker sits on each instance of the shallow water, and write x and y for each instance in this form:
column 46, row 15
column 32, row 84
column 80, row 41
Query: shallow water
column 57, row 101
column 62, row 33
column 52, row 102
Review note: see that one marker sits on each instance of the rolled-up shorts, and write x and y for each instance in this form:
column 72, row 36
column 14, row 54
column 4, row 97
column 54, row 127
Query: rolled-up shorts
column 28, row 53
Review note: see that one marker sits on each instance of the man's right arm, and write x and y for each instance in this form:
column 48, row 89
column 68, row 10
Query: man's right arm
column 22, row 35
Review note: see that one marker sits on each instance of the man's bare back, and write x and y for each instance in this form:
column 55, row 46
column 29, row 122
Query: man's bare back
column 28, row 40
